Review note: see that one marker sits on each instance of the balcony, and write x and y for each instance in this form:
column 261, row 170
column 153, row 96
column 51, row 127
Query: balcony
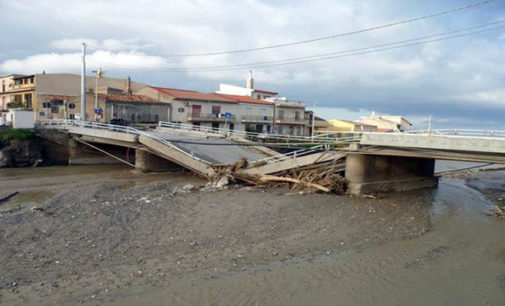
column 259, row 119
column 292, row 121
column 209, row 118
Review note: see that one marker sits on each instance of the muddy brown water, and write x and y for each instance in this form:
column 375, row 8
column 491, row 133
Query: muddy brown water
column 459, row 261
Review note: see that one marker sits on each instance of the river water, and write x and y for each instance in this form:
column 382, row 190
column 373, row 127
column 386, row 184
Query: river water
column 460, row 261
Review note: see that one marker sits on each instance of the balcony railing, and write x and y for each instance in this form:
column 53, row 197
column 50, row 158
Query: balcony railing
column 250, row 118
column 291, row 120
column 210, row 117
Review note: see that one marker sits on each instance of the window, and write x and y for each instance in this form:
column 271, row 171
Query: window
column 248, row 111
column 3, row 86
column 281, row 114
column 180, row 109
column 55, row 110
column 280, row 129
column 216, row 110
column 71, row 116
column 18, row 98
column 71, row 106
column 46, row 105
column 297, row 116
column 28, row 99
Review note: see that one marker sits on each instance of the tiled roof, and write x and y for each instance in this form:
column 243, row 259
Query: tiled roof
column 127, row 98
column 182, row 94
column 245, row 99
column 58, row 97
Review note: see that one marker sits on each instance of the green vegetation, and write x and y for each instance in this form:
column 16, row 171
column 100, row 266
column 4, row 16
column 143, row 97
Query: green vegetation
column 15, row 105
column 16, row 134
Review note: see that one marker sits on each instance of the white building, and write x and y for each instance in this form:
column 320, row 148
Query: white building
column 387, row 123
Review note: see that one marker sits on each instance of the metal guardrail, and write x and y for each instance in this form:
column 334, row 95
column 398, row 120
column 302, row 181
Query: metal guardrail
column 68, row 123
column 331, row 137
column 294, row 154
column 460, row 132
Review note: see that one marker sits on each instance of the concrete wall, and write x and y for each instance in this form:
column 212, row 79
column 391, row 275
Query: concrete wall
column 148, row 162
column 368, row 174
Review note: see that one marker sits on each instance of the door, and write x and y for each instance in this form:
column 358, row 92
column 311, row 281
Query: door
column 196, row 110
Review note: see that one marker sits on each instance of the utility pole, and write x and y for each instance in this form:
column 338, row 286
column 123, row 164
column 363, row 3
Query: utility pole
column 83, row 83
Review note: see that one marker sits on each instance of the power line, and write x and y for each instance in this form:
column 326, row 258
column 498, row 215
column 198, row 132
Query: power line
column 324, row 56
column 432, row 15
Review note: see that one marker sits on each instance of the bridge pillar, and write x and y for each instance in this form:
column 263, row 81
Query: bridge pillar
column 79, row 154
column 148, row 162
column 368, row 174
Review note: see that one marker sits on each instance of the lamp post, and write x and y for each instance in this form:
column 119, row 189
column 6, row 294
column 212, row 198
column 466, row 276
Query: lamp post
column 83, row 83
column 99, row 73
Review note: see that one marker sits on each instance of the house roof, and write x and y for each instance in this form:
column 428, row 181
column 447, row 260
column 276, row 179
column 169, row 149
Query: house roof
column 20, row 76
column 183, row 94
column 266, row 91
column 58, row 97
column 245, row 99
column 127, row 98
column 319, row 118
column 355, row 122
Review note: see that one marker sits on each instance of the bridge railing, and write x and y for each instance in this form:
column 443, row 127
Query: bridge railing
column 68, row 123
column 460, row 132
column 325, row 137
column 293, row 154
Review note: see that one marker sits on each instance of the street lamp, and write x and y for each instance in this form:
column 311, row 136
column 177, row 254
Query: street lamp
column 99, row 73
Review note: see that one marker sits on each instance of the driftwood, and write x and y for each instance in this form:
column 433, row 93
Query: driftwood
column 320, row 177
column 7, row 198
column 272, row 178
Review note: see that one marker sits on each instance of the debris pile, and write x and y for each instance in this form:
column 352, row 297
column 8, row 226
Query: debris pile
column 498, row 211
column 316, row 178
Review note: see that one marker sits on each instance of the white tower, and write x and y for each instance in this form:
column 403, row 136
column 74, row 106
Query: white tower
column 250, row 81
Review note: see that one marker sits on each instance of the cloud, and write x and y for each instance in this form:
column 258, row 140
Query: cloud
column 448, row 79
column 71, row 62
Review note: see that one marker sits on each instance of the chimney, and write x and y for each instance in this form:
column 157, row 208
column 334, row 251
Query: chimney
column 250, row 81
column 128, row 86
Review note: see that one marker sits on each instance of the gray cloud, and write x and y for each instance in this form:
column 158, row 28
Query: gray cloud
column 458, row 81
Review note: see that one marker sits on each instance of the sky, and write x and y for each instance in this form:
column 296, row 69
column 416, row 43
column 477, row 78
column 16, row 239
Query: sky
column 460, row 82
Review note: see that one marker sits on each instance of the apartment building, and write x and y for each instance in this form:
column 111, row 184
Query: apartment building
column 289, row 117
column 7, row 83
column 254, row 115
column 196, row 108
column 107, row 108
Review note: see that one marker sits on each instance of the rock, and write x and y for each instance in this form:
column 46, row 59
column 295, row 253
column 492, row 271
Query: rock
column 188, row 187
column 223, row 181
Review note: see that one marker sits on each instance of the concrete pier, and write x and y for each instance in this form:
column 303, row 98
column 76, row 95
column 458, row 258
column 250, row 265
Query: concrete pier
column 148, row 162
column 368, row 174
column 79, row 154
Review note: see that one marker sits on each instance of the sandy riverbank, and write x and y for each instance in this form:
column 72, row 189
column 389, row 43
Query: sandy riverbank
column 96, row 236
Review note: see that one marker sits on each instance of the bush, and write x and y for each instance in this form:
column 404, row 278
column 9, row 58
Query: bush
column 16, row 134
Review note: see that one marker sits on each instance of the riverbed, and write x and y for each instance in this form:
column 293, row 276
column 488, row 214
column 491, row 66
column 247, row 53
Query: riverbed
column 105, row 235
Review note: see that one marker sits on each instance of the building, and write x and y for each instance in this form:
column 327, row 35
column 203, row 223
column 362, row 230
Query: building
column 387, row 123
column 248, row 90
column 197, row 108
column 288, row 117
column 115, row 108
column 253, row 115
column 339, row 125
column 57, row 96
column 6, row 85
